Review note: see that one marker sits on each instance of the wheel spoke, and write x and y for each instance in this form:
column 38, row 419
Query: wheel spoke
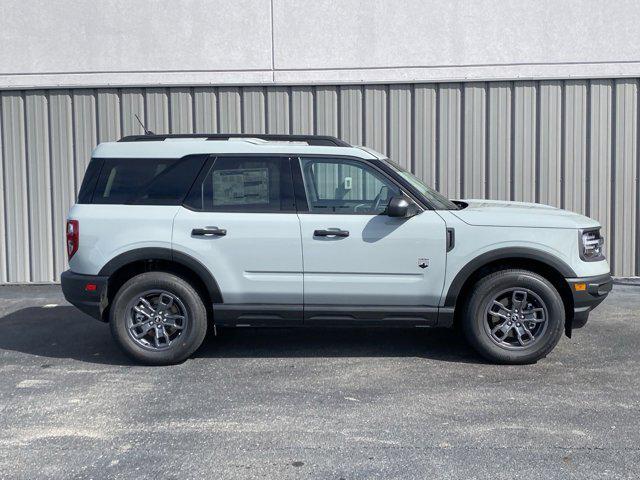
column 165, row 300
column 503, row 327
column 146, row 303
column 500, row 306
column 145, row 329
column 142, row 311
column 161, row 333
column 519, row 331
column 528, row 332
column 518, row 300
column 531, row 315
column 174, row 321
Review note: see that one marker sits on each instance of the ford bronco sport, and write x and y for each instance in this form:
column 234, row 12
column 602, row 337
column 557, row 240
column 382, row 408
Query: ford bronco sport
column 174, row 234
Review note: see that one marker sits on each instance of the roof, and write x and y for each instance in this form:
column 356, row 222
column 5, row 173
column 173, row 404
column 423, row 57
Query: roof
column 175, row 146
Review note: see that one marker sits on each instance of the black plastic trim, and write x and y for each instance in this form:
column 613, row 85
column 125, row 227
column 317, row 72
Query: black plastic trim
column 451, row 238
column 503, row 253
column 292, row 315
column 92, row 303
column 584, row 301
column 257, row 315
column 158, row 253
column 316, row 140
column 370, row 315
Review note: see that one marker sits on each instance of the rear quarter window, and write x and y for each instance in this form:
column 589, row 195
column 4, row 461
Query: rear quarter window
column 146, row 181
column 89, row 181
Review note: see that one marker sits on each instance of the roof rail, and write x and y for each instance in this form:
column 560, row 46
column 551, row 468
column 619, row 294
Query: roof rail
column 317, row 140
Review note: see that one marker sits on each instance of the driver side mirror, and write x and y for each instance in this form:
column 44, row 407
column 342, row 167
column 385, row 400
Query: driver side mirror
column 401, row 207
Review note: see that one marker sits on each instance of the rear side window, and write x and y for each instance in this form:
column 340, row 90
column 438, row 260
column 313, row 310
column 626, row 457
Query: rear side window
column 89, row 181
column 146, row 181
column 244, row 184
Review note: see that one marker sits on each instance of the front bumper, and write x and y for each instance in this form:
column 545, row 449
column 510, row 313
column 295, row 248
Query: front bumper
column 79, row 290
column 594, row 292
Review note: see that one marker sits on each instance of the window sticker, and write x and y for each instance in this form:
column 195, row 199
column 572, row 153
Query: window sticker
column 241, row 186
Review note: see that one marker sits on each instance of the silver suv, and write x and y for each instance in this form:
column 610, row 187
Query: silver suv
column 175, row 234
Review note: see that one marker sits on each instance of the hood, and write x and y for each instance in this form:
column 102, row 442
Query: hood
column 520, row 214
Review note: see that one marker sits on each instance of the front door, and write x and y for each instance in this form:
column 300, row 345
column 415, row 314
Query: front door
column 357, row 260
column 239, row 221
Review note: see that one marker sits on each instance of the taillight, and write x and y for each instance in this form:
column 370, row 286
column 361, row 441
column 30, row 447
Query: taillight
column 73, row 237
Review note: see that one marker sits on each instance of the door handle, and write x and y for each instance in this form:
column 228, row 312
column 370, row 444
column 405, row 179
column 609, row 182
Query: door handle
column 336, row 232
column 208, row 232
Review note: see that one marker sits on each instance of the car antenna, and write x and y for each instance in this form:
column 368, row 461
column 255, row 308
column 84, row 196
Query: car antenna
column 146, row 132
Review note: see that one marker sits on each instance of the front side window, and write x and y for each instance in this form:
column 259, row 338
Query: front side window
column 345, row 186
column 244, row 184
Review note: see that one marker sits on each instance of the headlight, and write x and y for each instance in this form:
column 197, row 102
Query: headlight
column 591, row 245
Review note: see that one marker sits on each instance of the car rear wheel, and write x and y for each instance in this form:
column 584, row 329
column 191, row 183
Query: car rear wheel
column 514, row 317
column 158, row 318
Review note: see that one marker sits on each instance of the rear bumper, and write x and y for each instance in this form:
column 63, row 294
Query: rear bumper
column 78, row 291
column 595, row 291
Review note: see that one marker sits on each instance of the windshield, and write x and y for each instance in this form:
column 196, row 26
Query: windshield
column 437, row 200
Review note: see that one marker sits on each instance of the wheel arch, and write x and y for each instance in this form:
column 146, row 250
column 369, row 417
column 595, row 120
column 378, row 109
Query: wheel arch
column 126, row 265
column 542, row 263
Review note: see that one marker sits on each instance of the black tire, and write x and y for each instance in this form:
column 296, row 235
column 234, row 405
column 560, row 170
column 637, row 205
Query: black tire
column 476, row 317
column 186, row 341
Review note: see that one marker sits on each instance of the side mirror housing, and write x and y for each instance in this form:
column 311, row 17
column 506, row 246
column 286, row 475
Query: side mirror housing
column 401, row 207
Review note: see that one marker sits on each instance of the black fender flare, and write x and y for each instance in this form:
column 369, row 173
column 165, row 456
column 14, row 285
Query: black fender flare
column 504, row 253
column 167, row 254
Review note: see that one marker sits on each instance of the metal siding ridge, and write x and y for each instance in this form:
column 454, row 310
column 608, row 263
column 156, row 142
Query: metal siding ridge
column 15, row 181
column 62, row 172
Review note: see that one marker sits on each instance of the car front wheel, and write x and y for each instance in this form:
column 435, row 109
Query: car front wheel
column 514, row 317
column 158, row 318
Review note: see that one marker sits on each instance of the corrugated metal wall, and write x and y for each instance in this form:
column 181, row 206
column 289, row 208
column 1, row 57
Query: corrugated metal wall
column 573, row 144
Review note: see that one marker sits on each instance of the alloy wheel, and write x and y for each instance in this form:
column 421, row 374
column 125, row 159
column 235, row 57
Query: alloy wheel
column 156, row 319
column 516, row 318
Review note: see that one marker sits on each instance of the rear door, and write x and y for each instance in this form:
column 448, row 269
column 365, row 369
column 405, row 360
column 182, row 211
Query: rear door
column 239, row 221
column 360, row 264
